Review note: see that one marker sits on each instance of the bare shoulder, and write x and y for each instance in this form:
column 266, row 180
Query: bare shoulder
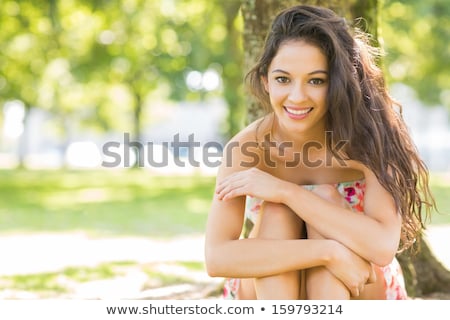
column 243, row 151
column 373, row 184
column 360, row 167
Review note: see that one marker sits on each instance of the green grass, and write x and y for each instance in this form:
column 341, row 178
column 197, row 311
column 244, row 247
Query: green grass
column 56, row 282
column 42, row 283
column 131, row 202
column 51, row 284
column 117, row 203
column 112, row 203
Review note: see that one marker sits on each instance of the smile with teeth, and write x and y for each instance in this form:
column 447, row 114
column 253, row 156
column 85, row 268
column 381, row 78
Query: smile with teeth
column 298, row 112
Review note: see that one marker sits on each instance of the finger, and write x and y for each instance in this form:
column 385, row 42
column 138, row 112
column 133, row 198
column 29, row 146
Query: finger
column 354, row 292
column 361, row 288
column 227, row 178
column 372, row 275
column 235, row 192
column 222, row 184
column 219, row 186
column 231, row 190
column 218, row 189
column 224, row 192
column 222, row 188
column 226, row 185
column 237, row 176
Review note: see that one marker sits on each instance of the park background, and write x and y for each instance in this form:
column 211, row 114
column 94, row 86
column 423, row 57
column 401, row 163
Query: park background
column 78, row 75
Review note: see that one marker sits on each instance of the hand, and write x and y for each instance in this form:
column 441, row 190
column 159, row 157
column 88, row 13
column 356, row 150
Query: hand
column 251, row 182
column 351, row 269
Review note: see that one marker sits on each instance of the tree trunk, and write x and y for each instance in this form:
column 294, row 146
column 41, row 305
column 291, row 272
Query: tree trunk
column 137, row 114
column 232, row 74
column 24, row 140
column 424, row 275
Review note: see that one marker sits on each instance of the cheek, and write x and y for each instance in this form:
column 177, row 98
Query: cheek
column 321, row 95
column 276, row 98
column 277, row 92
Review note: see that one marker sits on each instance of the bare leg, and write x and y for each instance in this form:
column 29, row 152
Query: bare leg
column 320, row 283
column 246, row 289
column 279, row 222
column 376, row 290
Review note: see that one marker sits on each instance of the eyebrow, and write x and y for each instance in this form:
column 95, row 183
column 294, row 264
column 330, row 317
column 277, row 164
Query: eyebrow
column 310, row 73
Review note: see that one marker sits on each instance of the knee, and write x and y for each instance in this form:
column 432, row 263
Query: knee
column 326, row 191
column 277, row 213
column 275, row 208
column 279, row 222
column 329, row 193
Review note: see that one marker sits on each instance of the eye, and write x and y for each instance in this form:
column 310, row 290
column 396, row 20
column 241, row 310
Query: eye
column 282, row 79
column 317, row 81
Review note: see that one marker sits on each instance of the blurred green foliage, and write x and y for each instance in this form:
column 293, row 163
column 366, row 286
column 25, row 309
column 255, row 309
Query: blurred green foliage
column 416, row 36
column 103, row 64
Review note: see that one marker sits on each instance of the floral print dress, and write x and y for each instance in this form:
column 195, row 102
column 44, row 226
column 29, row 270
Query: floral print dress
column 353, row 191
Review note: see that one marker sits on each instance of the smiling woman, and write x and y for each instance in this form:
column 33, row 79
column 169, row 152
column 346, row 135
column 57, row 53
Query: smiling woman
column 327, row 227
column 298, row 91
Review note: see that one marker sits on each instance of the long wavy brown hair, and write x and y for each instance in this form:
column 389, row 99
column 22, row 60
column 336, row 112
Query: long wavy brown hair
column 360, row 109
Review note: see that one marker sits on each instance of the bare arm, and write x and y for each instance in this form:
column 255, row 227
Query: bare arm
column 229, row 256
column 374, row 235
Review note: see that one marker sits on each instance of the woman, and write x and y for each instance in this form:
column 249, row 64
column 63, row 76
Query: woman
column 329, row 182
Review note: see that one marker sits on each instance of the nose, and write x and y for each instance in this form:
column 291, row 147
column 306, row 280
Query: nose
column 298, row 93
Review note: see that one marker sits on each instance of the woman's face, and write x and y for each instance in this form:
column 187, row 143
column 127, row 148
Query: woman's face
column 297, row 84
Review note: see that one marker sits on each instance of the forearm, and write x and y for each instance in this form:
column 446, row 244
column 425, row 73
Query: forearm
column 369, row 238
column 254, row 258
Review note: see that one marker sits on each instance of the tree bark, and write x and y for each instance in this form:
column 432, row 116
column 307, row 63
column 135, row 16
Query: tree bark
column 424, row 274
column 232, row 76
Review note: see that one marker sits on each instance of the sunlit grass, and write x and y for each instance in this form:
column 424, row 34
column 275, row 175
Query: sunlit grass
column 118, row 203
column 193, row 265
column 102, row 271
column 64, row 282
column 162, row 279
column 40, row 283
column 131, row 202
column 128, row 202
column 51, row 283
